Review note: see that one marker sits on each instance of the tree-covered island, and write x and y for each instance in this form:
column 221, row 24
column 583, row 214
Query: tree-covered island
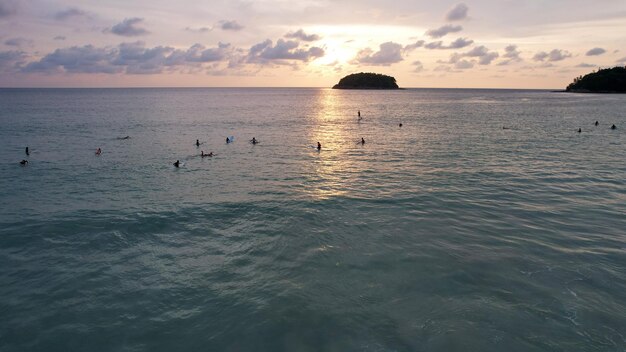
column 608, row 80
column 367, row 81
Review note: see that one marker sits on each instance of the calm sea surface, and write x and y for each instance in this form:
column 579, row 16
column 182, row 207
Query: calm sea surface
column 450, row 233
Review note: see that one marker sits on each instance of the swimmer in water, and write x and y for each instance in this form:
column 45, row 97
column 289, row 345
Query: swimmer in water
column 98, row 151
column 23, row 162
column 254, row 141
column 400, row 125
column 362, row 141
column 580, row 130
column 319, row 146
column 596, row 123
column 27, row 152
column 358, row 113
column 197, row 142
column 613, row 127
column 177, row 163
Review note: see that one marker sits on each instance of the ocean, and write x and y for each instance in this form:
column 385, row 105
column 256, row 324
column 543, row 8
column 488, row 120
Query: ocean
column 486, row 222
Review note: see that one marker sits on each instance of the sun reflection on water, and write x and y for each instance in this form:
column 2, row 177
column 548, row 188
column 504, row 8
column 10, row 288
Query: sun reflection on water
column 332, row 167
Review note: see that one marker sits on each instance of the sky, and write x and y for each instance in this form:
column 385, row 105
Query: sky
column 541, row 44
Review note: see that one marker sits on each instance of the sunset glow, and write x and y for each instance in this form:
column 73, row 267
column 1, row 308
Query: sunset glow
column 480, row 43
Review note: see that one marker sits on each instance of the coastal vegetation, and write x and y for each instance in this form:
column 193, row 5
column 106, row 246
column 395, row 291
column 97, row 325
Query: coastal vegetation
column 367, row 81
column 608, row 80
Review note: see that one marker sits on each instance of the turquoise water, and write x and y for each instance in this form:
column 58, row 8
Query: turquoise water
column 449, row 233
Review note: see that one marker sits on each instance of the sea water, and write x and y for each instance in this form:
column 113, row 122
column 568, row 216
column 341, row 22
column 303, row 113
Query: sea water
column 485, row 223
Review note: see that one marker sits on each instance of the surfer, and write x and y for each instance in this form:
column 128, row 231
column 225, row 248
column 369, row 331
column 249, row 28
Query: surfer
column 596, row 123
column 203, row 155
column 319, row 146
column 580, row 130
column 613, row 127
column 197, row 142
column 227, row 140
column 23, row 162
column 177, row 163
column 254, row 141
column 27, row 152
column 98, row 151
column 362, row 141
column 127, row 137
column 358, row 113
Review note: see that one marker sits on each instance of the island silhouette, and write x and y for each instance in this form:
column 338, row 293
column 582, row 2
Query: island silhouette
column 367, row 81
column 608, row 80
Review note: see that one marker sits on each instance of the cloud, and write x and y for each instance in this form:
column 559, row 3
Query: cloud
column 411, row 47
column 389, row 53
column 554, row 55
column 265, row 52
column 199, row 29
column 18, row 42
column 70, row 13
column 458, row 13
column 11, row 59
column 584, row 65
column 8, row 8
column 622, row 60
column 130, row 58
column 485, row 57
column 480, row 54
column 299, row 34
column 511, row 54
column 463, row 65
column 444, row 30
column 85, row 59
column 59, row 37
column 457, row 44
column 128, row 28
column 230, row 26
column 419, row 67
column 595, row 52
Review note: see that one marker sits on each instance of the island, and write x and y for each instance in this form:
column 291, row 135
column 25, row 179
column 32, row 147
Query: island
column 608, row 80
column 367, row 81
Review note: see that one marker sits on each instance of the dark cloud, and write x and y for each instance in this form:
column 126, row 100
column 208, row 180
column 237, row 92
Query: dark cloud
column 230, row 26
column 444, row 30
column 584, row 65
column 595, row 52
column 457, row 44
column 554, row 55
column 70, row 13
column 129, row 28
column 458, row 13
column 485, row 57
column 8, row 8
column 131, row 58
column 388, row 53
column 284, row 50
column 85, row 59
column 622, row 60
column 11, row 60
column 59, row 37
column 411, row 47
column 18, row 42
column 299, row 34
